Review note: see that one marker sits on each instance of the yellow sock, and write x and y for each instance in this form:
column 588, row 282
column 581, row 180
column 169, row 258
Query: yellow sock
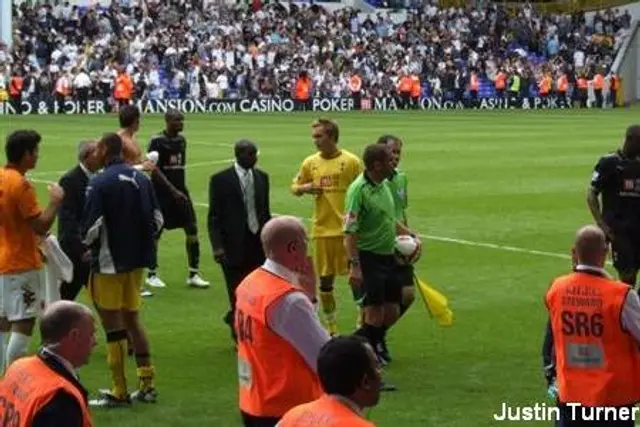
column 146, row 375
column 116, row 355
column 328, row 304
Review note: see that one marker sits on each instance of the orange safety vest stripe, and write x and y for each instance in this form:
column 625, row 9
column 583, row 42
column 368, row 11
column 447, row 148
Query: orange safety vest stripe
column 28, row 385
column 274, row 377
column 326, row 412
column 597, row 361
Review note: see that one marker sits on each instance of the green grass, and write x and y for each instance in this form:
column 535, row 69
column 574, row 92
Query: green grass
column 509, row 178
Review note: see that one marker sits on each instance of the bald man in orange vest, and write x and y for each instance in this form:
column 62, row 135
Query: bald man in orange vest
column 279, row 333
column 593, row 333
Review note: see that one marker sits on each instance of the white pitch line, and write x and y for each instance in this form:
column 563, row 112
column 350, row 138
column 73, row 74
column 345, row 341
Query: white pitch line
column 469, row 243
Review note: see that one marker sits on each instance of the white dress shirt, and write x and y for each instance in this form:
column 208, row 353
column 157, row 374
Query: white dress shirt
column 294, row 319
column 247, row 184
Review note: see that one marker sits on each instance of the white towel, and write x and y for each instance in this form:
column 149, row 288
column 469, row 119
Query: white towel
column 58, row 268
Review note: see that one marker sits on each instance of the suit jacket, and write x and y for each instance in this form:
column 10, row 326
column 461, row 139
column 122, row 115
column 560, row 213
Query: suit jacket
column 227, row 220
column 74, row 183
column 63, row 410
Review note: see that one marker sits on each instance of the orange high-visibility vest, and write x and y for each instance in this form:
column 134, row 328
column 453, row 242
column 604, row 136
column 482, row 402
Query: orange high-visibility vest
column 123, row 88
column 62, row 86
column 326, row 412
column 405, row 85
column 28, row 386
column 355, row 83
column 15, row 86
column 273, row 376
column 544, row 86
column 501, row 81
column 474, row 84
column 597, row 361
column 563, row 83
column 303, row 90
column 613, row 82
column 582, row 83
column 416, row 89
column 598, row 82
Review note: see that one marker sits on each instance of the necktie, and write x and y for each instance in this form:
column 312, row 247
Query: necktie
column 250, row 202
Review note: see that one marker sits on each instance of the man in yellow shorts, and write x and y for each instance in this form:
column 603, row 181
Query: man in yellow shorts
column 326, row 176
column 121, row 220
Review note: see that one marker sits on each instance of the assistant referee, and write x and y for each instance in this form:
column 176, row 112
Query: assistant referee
column 370, row 231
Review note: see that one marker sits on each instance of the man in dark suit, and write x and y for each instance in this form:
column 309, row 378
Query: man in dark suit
column 74, row 183
column 238, row 209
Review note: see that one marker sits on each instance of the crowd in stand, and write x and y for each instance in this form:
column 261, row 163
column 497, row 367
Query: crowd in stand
column 186, row 49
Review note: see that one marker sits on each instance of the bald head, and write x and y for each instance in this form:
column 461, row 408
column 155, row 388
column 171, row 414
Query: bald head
column 591, row 246
column 280, row 232
column 60, row 318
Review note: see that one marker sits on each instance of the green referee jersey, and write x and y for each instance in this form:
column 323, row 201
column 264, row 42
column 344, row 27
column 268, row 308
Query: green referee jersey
column 370, row 214
column 398, row 184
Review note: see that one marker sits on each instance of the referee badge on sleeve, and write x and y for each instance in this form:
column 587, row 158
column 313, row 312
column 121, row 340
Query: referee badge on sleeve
column 350, row 218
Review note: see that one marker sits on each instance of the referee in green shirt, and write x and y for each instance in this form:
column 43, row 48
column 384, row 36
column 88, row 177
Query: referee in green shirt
column 370, row 231
column 398, row 182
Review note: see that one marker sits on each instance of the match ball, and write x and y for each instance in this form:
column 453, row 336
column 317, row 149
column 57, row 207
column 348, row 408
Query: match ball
column 408, row 249
column 153, row 157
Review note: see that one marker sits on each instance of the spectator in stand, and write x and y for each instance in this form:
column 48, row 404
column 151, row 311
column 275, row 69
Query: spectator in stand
column 186, row 49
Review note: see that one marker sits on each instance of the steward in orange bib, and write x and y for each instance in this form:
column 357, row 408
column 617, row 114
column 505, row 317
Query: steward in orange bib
column 279, row 334
column 43, row 390
column 350, row 377
column 592, row 336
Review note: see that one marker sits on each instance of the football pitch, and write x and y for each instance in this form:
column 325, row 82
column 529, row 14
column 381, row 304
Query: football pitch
column 498, row 196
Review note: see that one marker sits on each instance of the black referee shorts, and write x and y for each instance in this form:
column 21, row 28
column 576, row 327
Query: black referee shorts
column 179, row 215
column 625, row 250
column 404, row 275
column 380, row 283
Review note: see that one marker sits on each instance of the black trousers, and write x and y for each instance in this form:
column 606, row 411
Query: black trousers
column 69, row 291
column 251, row 421
column 253, row 258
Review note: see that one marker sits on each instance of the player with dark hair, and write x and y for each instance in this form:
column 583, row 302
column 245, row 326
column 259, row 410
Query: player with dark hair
column 404, row 272
column 22, row 224
column 175, row 202
column 350, row 377
column 370, row 232
column 616, row 178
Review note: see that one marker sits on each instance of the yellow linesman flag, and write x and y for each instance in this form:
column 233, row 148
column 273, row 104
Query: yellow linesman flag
column 436, row 303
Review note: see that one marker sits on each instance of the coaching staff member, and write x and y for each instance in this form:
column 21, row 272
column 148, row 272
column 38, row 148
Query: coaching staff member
column 617, row 179
column 371, row 228
column 44, row 390
column 592, row 336
column 74, row 183
column 350, row 378
column 121, row 222
column 238, row 209
column 279, row 334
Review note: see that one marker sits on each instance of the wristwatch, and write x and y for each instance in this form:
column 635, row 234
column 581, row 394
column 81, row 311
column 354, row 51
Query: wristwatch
column 354, row 262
